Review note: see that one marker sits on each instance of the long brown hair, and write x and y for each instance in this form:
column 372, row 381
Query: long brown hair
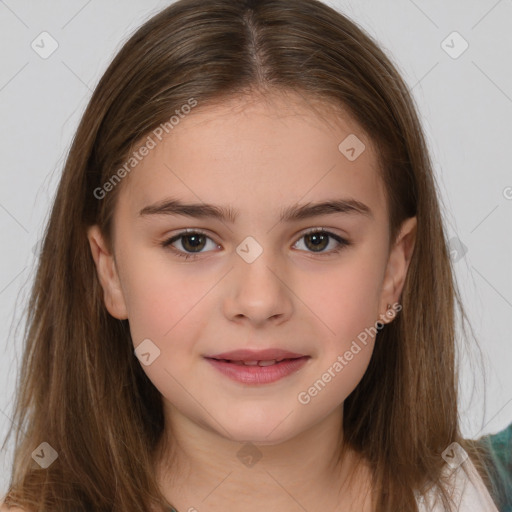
column 82, row 390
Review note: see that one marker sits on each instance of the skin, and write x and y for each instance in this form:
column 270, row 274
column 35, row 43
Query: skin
column 257, row 156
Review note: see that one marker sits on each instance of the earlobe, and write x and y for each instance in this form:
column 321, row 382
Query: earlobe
column 107, row 274
column 398, row 263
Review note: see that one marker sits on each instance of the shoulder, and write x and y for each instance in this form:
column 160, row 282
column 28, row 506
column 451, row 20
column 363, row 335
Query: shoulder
column 498, row 448
column 466, row 488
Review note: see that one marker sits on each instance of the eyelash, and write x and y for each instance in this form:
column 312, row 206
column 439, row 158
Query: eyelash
column 342, row 242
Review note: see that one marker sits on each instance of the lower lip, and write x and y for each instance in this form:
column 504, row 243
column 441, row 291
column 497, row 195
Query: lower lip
column 259, row 374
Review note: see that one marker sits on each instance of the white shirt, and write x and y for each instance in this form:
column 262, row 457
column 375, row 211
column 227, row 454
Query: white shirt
column 469, row 494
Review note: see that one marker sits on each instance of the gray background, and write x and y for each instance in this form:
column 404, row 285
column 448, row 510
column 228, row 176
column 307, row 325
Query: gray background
column 465, row 105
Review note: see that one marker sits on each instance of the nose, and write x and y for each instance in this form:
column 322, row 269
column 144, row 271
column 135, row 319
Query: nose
column 258, row 292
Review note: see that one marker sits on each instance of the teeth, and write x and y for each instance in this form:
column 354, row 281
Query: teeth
column 267, row 363
column 255, row 363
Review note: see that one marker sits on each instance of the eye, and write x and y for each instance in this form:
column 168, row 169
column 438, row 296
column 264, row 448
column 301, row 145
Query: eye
column 318, row 239
column 193, row 241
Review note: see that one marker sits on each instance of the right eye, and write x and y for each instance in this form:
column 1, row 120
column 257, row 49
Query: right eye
column 192, row 240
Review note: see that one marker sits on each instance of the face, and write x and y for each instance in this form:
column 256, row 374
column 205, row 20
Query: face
column 254, row 281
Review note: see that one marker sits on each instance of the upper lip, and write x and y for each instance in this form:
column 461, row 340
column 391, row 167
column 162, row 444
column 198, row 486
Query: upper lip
column 268, row 354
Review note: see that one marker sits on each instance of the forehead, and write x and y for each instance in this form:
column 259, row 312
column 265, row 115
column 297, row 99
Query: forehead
column 256, row 153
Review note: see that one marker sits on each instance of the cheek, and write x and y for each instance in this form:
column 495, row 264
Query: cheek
column 345, row 302
column 346, row 299
column 163, row 301
column 166, row 306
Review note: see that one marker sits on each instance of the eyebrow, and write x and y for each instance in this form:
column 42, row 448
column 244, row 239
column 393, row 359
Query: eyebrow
column 228, row 214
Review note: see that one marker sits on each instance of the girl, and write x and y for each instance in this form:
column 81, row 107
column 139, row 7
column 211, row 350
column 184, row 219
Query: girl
column 244, row 299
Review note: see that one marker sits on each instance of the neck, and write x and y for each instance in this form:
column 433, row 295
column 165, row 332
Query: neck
column 200, row 469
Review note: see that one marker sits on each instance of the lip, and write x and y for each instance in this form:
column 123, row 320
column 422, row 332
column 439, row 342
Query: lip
column 257, row 375
column 256, row 355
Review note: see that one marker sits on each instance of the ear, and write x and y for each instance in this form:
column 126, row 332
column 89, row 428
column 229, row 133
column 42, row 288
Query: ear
column 398, row 264
column 107, row 274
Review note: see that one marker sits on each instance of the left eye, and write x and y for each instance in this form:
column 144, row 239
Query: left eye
column 318, row 237
column 194, row 240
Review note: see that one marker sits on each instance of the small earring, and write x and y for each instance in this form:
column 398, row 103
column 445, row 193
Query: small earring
column 389, row 306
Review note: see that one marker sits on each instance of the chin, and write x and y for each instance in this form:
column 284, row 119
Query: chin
column 266, row 433
column 258, row 438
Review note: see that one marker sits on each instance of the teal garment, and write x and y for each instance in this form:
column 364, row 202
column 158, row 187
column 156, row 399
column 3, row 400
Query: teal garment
column 499, row 448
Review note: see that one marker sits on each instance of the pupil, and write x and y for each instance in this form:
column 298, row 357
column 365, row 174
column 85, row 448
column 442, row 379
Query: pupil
column 317, row 239
column 194, row 245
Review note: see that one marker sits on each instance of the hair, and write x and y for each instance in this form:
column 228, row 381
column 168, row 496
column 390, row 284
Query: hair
column 82, row 390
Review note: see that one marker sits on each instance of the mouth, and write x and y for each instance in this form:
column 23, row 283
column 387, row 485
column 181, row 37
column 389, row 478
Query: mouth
column 253, row 357
column 256, row 362
column 258, row 367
